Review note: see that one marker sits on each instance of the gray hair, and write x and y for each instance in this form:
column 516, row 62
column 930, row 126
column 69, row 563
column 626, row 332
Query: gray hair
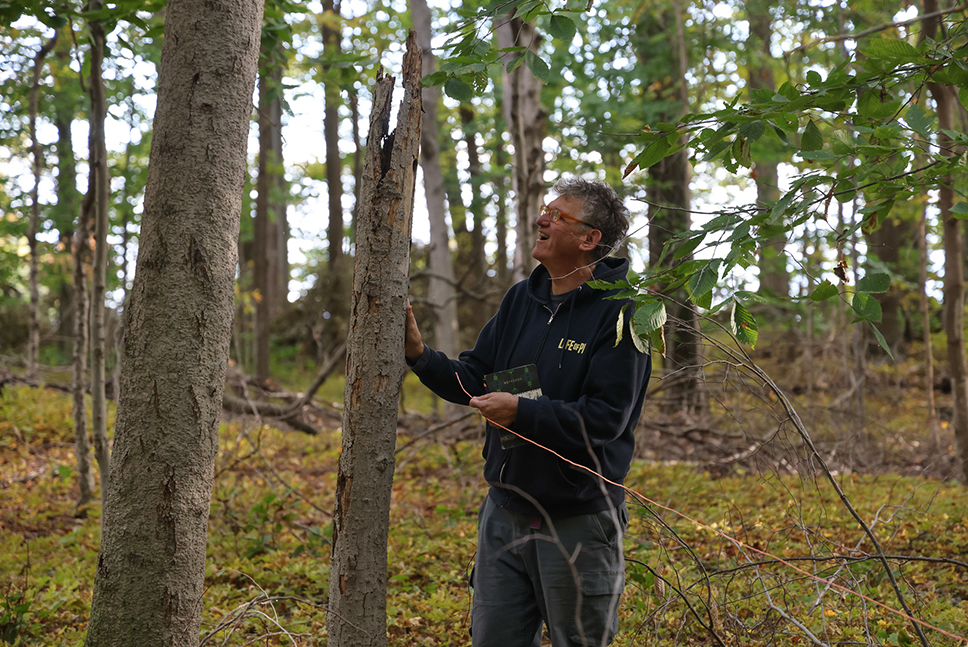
column 601, row 207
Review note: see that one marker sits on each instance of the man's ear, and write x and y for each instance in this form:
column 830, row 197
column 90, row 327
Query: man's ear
column 591, row 239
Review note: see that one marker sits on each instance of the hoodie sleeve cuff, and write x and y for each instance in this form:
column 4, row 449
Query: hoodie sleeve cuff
column 421, row 362
column 524, row 421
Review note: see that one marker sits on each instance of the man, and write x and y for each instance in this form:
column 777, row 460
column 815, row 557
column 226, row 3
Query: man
column 549, row 533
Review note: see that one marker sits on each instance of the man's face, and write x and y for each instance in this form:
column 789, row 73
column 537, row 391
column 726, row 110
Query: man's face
column 559, row 243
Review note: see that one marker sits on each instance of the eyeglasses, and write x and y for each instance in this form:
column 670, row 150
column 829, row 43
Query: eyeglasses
column 554, row 215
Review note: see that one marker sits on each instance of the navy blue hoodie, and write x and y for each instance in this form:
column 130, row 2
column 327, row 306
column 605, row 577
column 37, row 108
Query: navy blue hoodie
column 590, row 386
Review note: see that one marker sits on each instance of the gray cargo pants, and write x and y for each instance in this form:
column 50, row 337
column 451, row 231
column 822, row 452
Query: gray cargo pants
column 568, row 574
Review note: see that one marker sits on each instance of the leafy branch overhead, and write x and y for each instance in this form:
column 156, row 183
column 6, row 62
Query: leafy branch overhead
column 862, row 133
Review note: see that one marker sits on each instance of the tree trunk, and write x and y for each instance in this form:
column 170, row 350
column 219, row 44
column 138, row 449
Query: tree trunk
column 774, row 278
column 472, row 262
column 374, row 366
column 65, row 212
column 266, row 229
column 33, row 334
column 440, row 292
column 501, row 190
column 337, row 302
column 527, row 121
column 82, row 443
column 926, row 317
column 98, row 174
column 670, row 197
column 886, row 243
column 954, row 252
column 150, row 573
column 954, row 284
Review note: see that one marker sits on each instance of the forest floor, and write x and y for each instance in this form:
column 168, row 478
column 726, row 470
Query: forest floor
column 743, row 533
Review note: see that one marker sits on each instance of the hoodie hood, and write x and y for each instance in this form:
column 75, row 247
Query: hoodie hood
column 609, row 269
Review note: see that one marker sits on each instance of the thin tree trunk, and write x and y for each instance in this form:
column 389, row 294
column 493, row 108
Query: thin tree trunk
column 266, row 232
column 926, row 317
column 337, row 302
column 150, row 572
column 527, row 122
column 65, row 212
column 99, row 181
column 375, row 366
column 357, row 157
column 954, row 285
column 671, row 198
column 440, row 293
column 472, row 265
column 82, row 442
column 501, row 217
column 774, row 278
column 33, row 334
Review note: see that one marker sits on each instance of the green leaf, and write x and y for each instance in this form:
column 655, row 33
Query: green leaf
column 881, row 340
column 743, row 324
column 619, row 327
column 538, row 66
column 649, row 317
column 866, row 307
column 814, row 78
column 824, row 291
column 919, row 120
column 702, row 282
column 64, row 472
column 960, row 211
column 563, row 27
column 752, row 130
column 892, row 49
column 514, row 63
column 458, row 90
column 653, row 154
column 689, row 246
column 869, row 104
column 841, row 142
column 874, row 283
column 742, row 152
column 434, row 79
column 811, row 140
column 658, row 340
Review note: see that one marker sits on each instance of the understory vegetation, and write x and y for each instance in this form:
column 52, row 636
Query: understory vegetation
column 741, row 470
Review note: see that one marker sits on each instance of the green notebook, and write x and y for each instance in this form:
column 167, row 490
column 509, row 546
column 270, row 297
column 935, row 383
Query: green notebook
column 521, row 381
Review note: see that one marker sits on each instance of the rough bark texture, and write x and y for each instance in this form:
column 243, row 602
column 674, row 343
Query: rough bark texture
column 150, row 572
column 33, row 333
column 374, row 366
column 440, row 292
column 527, row 122
column 98, row 179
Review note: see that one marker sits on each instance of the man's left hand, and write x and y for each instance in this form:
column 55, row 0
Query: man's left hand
column 498, row 407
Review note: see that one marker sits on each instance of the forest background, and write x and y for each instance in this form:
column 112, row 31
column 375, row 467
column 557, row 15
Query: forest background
column 795, row 174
